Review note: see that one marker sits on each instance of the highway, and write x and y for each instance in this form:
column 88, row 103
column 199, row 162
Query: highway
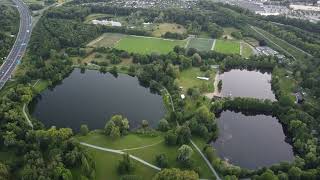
column 20, row 44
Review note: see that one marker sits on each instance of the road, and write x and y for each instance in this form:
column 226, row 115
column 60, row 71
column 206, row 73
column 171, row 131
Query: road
column 20, row 44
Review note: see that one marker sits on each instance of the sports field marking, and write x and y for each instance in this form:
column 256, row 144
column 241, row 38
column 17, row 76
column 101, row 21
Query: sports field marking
column 95, row 41
column 213, row 45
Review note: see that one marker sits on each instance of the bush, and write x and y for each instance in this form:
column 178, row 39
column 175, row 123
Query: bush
column 84, row 130
column 125, row 165
column 163, row 125
column 162, row 161
column 171, row 138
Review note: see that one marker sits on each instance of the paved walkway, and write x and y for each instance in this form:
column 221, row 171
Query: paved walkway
column 24, row 109
column 206, row 160
column 121, row 152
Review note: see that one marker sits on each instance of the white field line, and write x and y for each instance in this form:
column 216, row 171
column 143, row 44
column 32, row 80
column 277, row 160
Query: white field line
column 95, row 41
column 213, row 44
column 120, row 152
column 188, row 42
column 241, row 46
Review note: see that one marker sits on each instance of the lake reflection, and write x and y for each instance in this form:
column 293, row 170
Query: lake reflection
column 92, row 97
column 244, row 83
column 251, row 141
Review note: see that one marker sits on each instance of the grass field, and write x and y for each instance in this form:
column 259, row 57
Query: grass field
column 161, row 29
column 188, row 79
column 107, row 164
column 105, row 161
column 201, row 44
column 227, row 46
column 287, row 83
column 246, row 50
column 146, row 45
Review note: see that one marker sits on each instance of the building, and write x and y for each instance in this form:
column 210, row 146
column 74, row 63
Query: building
column 304, row 8
column 107, row 23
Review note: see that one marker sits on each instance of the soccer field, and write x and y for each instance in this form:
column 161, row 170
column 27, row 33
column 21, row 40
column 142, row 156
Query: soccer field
column 201, row 44
column 227, row 46
column 146, row 45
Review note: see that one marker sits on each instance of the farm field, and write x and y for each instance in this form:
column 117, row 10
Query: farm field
column 201, row 44
column 146, row 45
column 227, row 46
column 150, row 147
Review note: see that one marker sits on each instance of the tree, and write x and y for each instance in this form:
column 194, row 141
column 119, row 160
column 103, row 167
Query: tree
column 163, row 125
column 268, row 175
column 294, row 173
column 184, row 153
column 115, row 133
column 176, row 174
column 162, row 161
column 4, row 173
column 183, row 135
column 196, row 60
column 84, row 130
column 125, row 165
column 171, row 138
column 118, row 121
column 144, row 124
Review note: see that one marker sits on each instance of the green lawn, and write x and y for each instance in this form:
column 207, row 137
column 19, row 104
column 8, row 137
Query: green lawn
column 146, row 45
column 201, row 44
column 287, row 83
column 41, row 85
column 106, row 162
column 227, row 46
column 129, row 141
column 246, row 50
column 188, row 79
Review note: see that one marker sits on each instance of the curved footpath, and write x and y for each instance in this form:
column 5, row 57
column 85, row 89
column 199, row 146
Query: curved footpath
column 121, row 152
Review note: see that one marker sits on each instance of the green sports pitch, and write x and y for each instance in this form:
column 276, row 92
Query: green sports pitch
column 146, row 45
column 227, row 46
column 201, row 44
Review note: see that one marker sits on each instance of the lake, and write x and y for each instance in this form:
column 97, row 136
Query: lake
column 92, row 98
column 244, row 83
column 251, row 141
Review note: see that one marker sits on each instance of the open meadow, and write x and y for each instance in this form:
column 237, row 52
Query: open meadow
column 227, row 46
column 144, row 147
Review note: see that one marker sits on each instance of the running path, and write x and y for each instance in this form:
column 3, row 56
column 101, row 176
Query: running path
column 206, row 160
column 121, row 152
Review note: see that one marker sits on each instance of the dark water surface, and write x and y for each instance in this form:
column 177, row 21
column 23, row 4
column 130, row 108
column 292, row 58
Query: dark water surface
column 92, row 98
column 244, row 83
column 251, row 141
